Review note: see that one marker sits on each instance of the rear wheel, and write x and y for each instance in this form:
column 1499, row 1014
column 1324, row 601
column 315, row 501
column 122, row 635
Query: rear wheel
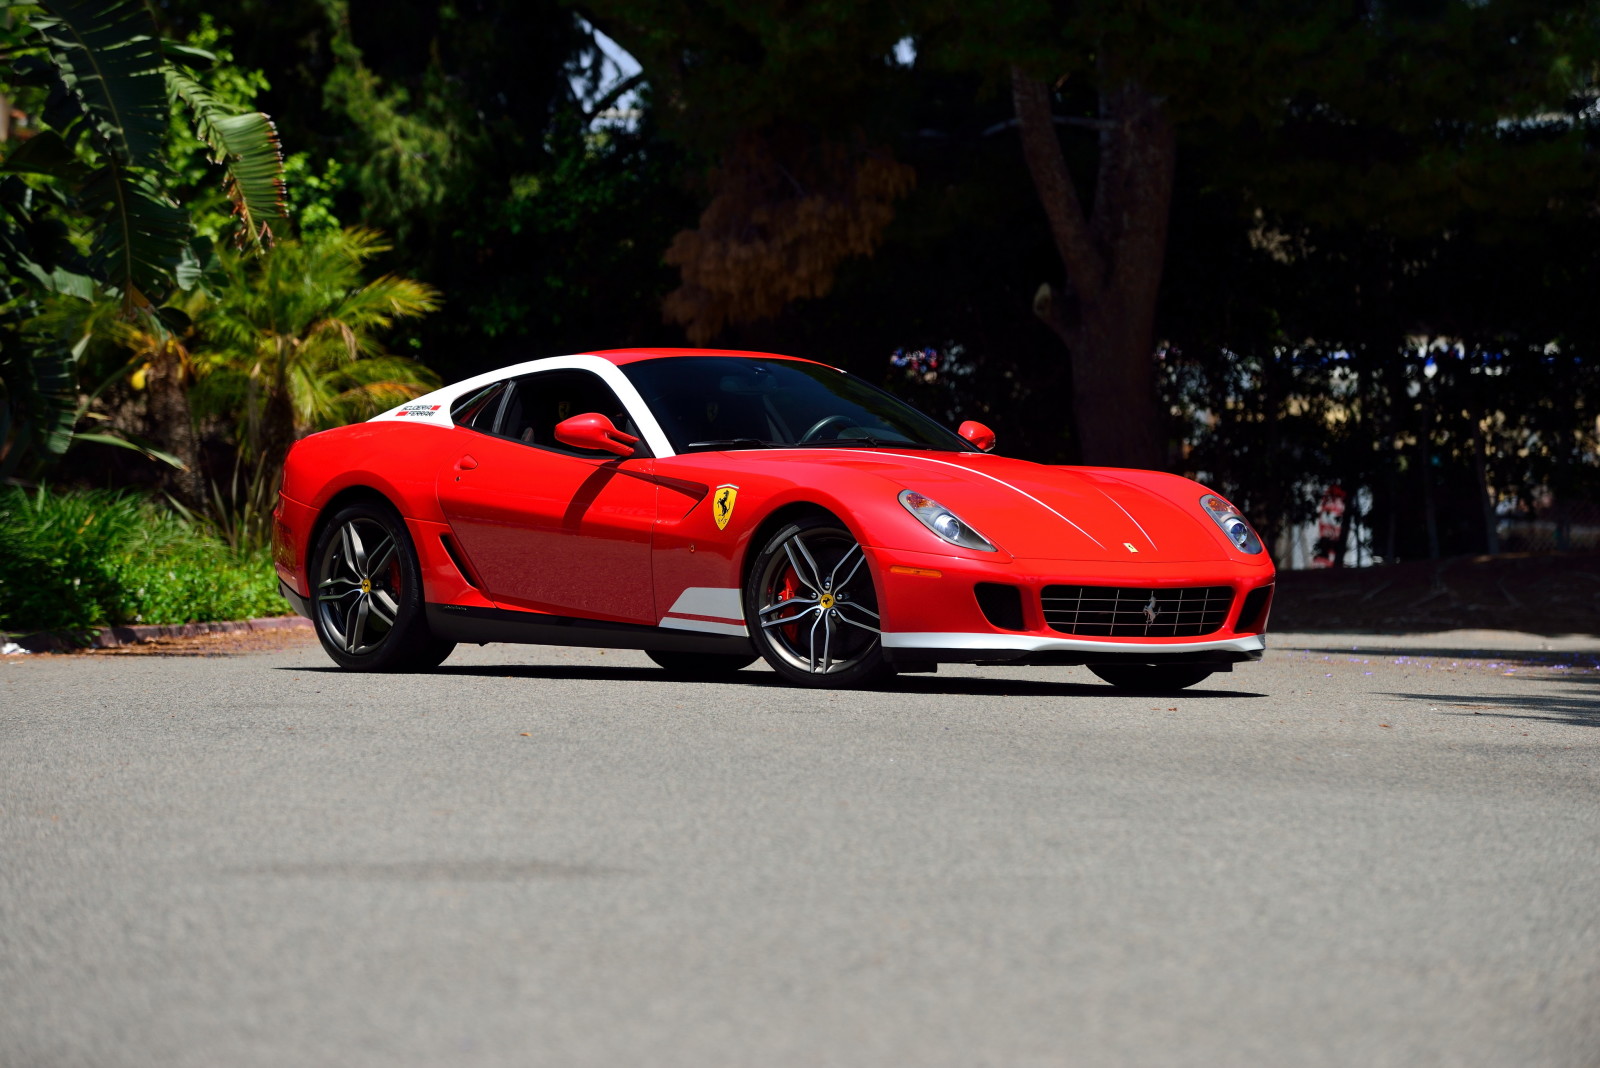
column 812, row 608
column 701, row 665
column 1151, row 678
column 367, row 593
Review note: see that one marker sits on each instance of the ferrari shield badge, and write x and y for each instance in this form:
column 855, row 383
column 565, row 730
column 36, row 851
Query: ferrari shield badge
column 722, row 505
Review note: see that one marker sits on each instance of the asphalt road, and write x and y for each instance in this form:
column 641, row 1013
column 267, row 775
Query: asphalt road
column 1384, row 855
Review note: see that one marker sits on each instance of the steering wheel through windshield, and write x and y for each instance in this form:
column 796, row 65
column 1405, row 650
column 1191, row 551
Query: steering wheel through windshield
column 815, row 433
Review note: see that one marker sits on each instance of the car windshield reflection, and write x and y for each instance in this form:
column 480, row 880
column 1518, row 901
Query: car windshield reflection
column 726, row 402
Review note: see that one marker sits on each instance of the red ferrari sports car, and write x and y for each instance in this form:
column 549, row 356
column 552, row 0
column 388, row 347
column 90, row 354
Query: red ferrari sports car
column 712, row 507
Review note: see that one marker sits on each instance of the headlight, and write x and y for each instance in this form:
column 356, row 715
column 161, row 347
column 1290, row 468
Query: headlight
column 1232, row 523
column 943, row 522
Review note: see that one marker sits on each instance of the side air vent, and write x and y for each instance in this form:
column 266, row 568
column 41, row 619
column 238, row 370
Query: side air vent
column 1253, row 616
column 455, row 558
column 1001, row 604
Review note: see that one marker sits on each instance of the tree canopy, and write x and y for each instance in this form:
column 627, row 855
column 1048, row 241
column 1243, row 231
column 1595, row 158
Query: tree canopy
column 1280, row 246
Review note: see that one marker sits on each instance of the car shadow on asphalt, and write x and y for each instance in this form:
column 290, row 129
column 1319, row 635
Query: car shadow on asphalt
column 988, row 687
column 955, row 685
column 1479, row 657
column 1580, row 709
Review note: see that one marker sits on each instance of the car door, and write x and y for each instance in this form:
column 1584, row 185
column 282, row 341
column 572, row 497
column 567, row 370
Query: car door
column 547, row 526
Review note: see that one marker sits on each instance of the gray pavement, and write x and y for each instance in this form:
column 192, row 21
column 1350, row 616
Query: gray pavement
column 1363, row 851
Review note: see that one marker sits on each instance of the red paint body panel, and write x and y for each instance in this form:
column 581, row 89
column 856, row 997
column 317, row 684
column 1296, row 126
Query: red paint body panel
column 553, row 533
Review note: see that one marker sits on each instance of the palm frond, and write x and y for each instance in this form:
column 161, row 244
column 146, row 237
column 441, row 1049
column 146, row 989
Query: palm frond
column 366, row 401
column 247, row 147
column 386, row 299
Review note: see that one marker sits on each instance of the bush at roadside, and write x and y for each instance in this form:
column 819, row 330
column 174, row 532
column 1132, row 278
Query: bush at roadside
column 83, row 559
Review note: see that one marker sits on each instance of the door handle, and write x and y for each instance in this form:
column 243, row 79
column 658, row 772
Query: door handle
column 466, row 463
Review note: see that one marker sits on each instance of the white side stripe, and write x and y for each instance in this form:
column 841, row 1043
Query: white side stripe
column 722, row 602
column 719, row 602
column 705, row 626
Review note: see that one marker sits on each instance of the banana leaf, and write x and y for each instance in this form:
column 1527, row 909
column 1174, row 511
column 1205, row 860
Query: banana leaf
column 247, row 148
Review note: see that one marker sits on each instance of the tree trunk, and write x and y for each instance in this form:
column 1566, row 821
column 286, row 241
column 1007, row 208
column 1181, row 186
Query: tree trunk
column 277, row 418
column 172, row 422
column 1480, row 464
column 1113, row 260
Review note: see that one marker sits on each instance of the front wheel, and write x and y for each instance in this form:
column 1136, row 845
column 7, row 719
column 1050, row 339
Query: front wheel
column 1151, row 678
column 366, row 593
column 812, row 608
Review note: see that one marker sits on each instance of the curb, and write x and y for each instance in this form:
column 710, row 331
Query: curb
column 111, row 637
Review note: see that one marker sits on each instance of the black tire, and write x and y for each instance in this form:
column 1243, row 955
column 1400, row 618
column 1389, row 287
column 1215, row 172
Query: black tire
column 812, row 607
column 701, row 665
column 1151, row 678
column 366, row 593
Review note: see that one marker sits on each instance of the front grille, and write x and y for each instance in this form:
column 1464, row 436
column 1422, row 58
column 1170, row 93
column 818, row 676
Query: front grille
column 1134, row 612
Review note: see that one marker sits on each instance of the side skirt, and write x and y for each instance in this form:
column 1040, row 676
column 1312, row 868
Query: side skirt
column 461, row 623
column 299, row 603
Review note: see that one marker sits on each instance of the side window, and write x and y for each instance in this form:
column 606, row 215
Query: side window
column 479, row 409
column 537, row 402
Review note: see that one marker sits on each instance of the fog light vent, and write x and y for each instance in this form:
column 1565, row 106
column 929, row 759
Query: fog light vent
column 1001, row 604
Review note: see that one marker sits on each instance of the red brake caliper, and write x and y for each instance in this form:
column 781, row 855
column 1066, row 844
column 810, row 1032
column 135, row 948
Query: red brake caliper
column 789, row 588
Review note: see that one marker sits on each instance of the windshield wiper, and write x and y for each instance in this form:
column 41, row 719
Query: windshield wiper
column 730, row 443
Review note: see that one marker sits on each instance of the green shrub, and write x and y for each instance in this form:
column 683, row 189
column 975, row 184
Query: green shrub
column 71, row 561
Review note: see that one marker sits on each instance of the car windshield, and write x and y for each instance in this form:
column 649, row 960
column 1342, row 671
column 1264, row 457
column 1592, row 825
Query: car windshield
column 747, row 402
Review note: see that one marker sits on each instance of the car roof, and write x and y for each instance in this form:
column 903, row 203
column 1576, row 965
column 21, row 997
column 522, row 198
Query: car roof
column 626, row 356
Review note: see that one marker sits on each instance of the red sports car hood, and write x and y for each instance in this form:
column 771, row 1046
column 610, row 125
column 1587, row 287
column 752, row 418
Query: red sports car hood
column 1044, row 512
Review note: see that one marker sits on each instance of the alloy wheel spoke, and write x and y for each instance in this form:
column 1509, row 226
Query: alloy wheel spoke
column 358, row 629
column 811, row 574
column 844, row 617
column 384, row 606
column 834, row 580
column 785, row 620
column 813, row 642
column 789, row 602
column 378, row 559
column 355, row 553
column 827, row 642
column 326, row 592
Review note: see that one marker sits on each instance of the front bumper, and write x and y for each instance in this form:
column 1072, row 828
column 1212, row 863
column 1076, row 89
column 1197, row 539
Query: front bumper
column 979, row 648
column 932, row 612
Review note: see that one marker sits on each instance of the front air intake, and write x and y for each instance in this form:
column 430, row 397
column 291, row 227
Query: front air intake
column 1001, row 604
column 1136, row 612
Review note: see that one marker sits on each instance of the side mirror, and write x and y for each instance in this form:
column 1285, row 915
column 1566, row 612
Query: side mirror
column 591, row 430
column 977, row 433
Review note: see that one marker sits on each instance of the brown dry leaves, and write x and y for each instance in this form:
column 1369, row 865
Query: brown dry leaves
column 783, row 215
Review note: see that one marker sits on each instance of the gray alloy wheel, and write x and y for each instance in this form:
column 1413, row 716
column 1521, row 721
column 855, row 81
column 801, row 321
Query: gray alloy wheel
column 367, row 593
column 1151, row 678
column 812, row 608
